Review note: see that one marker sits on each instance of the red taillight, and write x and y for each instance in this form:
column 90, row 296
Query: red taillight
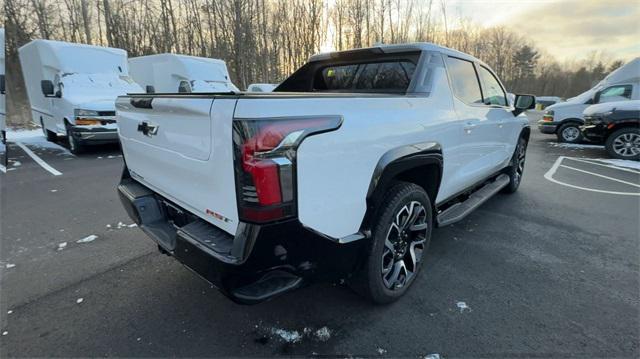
column 265, row 159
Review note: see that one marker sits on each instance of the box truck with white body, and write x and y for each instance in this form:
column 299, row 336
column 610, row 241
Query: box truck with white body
column 170, row 73
column 72, row 89
column 261, row 87
column 565, row 118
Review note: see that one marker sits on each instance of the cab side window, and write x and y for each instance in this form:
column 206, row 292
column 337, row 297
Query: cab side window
column 464, row 80
column 491, row 89
column 615, row 93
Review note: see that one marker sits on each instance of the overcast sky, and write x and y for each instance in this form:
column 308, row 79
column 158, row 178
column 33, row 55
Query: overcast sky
column 566, row 29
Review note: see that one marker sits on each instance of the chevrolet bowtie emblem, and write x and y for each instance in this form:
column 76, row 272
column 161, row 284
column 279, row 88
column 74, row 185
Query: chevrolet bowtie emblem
column 148, row 129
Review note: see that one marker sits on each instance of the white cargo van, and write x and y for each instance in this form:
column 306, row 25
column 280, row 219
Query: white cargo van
column 72, row 89
column 565, row 118
column 170, row 73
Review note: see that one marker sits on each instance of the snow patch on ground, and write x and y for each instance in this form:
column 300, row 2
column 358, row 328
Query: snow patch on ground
column 87, row 239
column 15, row 163
column 79, row 300
column 292, row 336
column 9, row 265
column 121, row 225
column 575, row 146
column 381, row 351
column 5, row 332
column 620, row 163
column 33, row 138
column 432, row 356
column 53, row 191
column 463, row 306
column 62, row 246
column 323, row 334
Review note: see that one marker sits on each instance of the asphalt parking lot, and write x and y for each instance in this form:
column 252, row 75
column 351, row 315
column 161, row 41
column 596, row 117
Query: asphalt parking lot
column 550, row 271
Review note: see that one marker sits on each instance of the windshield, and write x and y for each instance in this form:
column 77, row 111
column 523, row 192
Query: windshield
column 103, row 84
column 584, row 97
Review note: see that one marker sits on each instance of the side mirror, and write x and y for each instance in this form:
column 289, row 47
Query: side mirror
column 150, row 89
column 2, row 85
column 523, row 103
column 47, row 88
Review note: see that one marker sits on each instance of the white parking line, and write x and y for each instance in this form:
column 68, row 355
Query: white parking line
column 39, row 160
column 3, row 169
column 603, row 165
column 557, row 164
column 602, row 176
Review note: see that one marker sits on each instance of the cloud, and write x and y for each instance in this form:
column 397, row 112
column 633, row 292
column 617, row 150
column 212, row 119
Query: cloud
column 573, row 29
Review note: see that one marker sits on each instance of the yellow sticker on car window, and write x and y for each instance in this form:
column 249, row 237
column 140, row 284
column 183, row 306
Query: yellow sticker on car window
column 331, row 73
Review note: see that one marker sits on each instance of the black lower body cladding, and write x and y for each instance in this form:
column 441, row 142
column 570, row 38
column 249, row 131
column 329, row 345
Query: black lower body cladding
column 256, row 264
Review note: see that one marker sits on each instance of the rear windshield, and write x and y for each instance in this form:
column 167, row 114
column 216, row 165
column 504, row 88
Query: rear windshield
column 391, row 76
column 357, row 72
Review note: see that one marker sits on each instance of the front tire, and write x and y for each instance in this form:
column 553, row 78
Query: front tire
column 569, row 133
column 75, row 146
column 400, row 237
column 516, row 170
column 624, row 144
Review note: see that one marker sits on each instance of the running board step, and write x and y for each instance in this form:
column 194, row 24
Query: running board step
column 271, row 284
column 460, row 210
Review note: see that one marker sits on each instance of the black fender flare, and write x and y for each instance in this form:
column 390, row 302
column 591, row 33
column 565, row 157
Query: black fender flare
column 401, row 159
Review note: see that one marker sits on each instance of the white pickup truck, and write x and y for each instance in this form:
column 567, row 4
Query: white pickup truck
column 342, row 172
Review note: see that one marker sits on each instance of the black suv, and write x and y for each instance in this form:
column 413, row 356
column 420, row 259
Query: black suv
column 618, row 128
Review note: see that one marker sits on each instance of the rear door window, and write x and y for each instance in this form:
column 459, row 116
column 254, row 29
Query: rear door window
column 464, row 80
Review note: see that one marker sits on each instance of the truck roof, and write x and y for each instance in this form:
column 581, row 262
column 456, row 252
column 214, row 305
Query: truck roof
column 70, row 57
column 391, row 48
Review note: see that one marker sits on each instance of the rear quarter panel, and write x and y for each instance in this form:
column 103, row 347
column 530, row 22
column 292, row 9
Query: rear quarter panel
column 334, row 169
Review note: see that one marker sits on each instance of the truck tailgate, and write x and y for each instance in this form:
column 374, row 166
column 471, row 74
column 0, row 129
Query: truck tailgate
column 181, row 147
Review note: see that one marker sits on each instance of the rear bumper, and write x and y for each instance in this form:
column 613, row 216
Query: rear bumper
column 594, row 133
column 547, row 127
column 258, row 263
column 95, row 135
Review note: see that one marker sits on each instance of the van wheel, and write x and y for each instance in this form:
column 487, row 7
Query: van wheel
column 624, row 144
column 75, row 146
column 569, row 133
column 516, row 170
column 50, row 135
column 400, row 238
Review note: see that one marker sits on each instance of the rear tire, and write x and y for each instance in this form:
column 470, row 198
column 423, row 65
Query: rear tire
column 569, row 133
column 50, row 135
column 400, row 238
column 516, row 170
column 624, row 144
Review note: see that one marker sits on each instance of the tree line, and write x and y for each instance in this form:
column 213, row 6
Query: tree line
column 266, row 40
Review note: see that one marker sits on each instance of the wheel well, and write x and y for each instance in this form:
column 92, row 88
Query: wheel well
column 427, row 177
column 577, row 121
column 526, row 133
column 618, row 126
